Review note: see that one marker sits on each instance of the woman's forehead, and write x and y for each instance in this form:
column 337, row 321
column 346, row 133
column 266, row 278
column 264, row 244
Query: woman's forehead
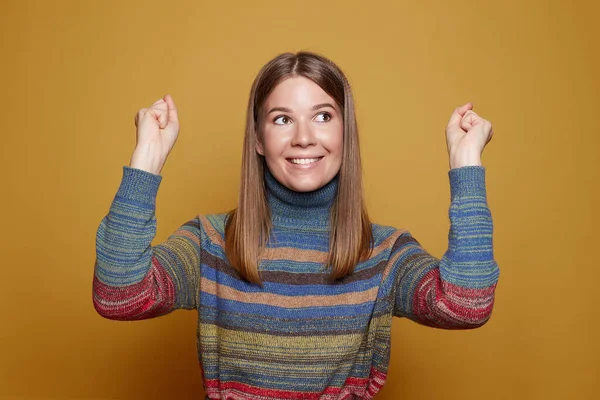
column 298, row 93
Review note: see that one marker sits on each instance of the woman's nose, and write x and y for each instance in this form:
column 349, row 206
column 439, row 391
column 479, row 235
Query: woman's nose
column 304, row 135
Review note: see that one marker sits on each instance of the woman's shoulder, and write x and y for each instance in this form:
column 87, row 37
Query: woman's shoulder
column 387, row 234
column 212, row 224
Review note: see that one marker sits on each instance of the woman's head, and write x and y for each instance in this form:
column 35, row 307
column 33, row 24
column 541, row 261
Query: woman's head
column 300, row 134
column 301, row 125
column 298, row 82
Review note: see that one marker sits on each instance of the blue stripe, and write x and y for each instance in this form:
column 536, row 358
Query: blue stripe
column 338, row 310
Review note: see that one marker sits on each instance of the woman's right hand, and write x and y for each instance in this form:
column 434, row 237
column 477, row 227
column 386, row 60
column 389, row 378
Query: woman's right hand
column 157, row 130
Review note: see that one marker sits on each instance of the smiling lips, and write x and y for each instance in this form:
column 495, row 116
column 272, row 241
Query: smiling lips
column 303, row 161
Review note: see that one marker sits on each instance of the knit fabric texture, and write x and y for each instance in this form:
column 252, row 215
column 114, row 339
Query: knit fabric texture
column 300, row 336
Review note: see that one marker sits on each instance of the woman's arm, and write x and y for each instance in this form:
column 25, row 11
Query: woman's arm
column 456, row 292
column 132, row 279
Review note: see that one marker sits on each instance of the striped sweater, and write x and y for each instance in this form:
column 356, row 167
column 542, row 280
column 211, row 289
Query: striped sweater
column 298, row 337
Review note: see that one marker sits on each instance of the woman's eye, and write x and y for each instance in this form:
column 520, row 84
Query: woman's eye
column 282, row 120
column 323, row 117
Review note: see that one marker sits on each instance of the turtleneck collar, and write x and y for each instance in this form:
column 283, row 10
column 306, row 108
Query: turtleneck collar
column 303, row 210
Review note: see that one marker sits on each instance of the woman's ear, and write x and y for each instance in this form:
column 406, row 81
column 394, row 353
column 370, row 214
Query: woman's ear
column 259, row 147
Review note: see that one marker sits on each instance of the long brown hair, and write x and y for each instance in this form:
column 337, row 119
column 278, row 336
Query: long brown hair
column 248, row 227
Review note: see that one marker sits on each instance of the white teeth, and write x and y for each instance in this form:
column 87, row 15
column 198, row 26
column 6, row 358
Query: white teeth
column 304, row 160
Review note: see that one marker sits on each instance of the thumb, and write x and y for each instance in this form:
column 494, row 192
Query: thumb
column 162, row 119
column 458, row 114
column 173, row 117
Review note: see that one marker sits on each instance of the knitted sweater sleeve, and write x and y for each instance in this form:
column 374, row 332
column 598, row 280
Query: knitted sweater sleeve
column 132, row 279
column 456, row 292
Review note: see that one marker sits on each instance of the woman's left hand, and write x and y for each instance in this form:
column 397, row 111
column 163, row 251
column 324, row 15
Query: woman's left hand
column 466, row 136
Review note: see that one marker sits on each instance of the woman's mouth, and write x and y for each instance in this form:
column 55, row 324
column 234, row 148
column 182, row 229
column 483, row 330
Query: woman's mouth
column 303, row 161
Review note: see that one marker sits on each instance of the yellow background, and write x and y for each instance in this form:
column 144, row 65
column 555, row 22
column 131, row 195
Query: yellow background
column 74, row 73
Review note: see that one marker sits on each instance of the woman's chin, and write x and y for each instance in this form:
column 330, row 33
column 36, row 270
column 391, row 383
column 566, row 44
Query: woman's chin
column 305, row 186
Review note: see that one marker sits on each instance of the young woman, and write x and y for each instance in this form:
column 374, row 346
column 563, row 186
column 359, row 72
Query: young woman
column 296, row 289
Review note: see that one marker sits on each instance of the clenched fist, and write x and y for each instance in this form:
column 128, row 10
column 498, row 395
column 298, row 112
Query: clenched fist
column 157, row 130
column 466, row 136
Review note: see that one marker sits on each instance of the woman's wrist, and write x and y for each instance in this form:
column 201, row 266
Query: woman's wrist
column 145, row 159
column 465, row 160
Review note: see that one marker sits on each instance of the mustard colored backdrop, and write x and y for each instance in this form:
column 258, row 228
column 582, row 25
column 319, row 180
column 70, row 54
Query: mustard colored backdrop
column 74, row 73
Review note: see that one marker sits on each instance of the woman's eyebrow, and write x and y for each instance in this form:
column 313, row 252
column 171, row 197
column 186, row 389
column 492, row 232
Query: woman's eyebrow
column 289, row 110
column 284, row 109
column 322, row 105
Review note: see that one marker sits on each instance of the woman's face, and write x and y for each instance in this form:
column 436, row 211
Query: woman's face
column 302, row 135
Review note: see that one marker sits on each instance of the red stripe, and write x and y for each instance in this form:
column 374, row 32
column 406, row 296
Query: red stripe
column 455, row 300
column 365, row 387
column 152, row 296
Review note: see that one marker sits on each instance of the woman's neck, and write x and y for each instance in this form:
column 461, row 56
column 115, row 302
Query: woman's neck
column 300, row 210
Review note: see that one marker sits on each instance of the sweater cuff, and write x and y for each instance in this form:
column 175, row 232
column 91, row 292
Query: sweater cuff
column 467, row 181
column 139, row 186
